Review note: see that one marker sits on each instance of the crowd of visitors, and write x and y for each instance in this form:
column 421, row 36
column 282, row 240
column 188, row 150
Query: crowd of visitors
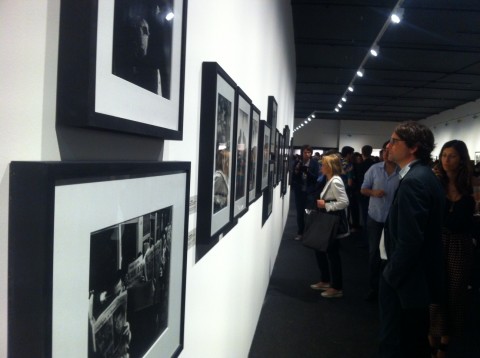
column 417, row 217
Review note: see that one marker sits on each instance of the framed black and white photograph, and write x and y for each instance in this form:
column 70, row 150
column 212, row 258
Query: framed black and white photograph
column 268, row 193
column 272, row 121
column 263, row 160
column 97, row 259
column 241, row 158
column 278, row 157
column 284, row 181
column 272, row 112
column 254, row 154
column 280, row 161
column 286, row 159
column 215, row 172
column 121, row 66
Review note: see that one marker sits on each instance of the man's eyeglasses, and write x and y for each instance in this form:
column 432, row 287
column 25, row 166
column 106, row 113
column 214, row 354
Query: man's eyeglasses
column 395, row 140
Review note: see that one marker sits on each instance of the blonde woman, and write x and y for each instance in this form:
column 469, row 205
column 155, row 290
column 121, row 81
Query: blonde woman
column 334, row 200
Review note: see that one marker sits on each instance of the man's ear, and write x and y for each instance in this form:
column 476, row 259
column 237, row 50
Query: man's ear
column 414, row 149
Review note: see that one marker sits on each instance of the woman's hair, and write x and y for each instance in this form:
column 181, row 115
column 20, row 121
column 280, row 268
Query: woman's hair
column 463, row 182
column 333, row 162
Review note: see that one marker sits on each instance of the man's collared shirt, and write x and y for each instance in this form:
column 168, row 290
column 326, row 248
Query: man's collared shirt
column 377, row 178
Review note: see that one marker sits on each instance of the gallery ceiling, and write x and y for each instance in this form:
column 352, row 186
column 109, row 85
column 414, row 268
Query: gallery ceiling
column 428, row 63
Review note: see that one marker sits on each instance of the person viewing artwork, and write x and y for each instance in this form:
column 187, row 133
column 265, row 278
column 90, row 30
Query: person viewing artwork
column 333, row 199
column 379, row 184
column 455, row 173
column 304, row 180
column 412, row 277
column 142, row 43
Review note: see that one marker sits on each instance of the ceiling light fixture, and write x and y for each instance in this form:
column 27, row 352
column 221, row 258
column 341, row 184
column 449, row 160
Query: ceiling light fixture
column 398, row 11
column 374, row 51
column 397, row 15
column 309, row 119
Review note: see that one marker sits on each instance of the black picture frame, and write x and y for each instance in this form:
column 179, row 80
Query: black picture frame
column 262, row 166
column 74, row 232
column 253, row 193
column 241, row 153
column 272, row 110
column 286, row 159
column 268, row 193
column 214, row 198
column 284, row 182
column 108, row 82
column 278, row 157
column 280, row 161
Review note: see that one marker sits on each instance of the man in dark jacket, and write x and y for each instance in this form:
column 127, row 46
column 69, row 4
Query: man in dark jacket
column 412, row 277
column 304, row 179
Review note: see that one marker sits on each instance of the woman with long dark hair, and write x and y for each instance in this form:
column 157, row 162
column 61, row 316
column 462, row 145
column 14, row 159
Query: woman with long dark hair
column 455, row 173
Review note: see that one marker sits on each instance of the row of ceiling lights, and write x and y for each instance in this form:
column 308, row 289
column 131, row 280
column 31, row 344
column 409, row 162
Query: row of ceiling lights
column 395, row 18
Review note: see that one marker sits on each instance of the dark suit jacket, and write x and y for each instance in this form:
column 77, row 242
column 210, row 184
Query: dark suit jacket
column 312, row 175
column 413, row 239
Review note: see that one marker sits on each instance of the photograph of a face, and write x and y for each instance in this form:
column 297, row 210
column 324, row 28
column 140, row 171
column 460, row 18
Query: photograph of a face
column 129, row 284
column 142, row 44
column 221, row 178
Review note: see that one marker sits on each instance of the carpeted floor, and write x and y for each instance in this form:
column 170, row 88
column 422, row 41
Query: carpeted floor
column 297, row 322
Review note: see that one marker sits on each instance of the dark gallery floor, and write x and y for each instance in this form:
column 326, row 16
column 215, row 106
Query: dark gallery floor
column 297, row 322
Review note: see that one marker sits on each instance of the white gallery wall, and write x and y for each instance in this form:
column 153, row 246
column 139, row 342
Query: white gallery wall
column 330, row 133
column 462, row 122
column 253, row 41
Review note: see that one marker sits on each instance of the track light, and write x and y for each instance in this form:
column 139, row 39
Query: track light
column 374, row 50
column 339, row 105
column 313, row 116
column 397, row 15
column 309, row 119
column 336, row 110
column 360, row 72
column 344, row 99
column 351, row 88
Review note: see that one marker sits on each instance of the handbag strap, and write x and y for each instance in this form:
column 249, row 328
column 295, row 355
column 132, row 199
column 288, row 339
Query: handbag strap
column 325, row 191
